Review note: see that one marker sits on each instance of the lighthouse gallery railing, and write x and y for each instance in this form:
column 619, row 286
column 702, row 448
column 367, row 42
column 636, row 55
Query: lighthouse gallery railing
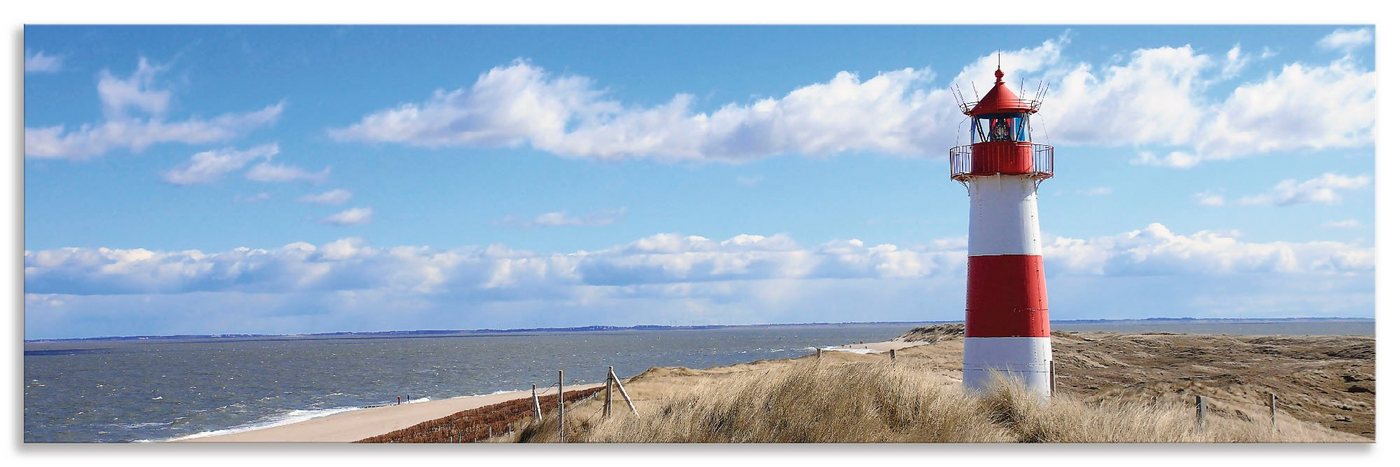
column 1042, row 162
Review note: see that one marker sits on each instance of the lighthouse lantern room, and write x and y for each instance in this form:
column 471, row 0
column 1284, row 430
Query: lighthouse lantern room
column 1008, row 320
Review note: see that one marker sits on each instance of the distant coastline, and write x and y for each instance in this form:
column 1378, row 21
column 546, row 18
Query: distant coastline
column 427, row 333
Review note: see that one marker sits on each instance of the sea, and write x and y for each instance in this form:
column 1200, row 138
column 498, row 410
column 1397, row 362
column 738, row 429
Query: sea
column 161, row 389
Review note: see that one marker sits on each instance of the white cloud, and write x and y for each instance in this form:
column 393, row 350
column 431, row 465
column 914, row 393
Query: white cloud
column 208, row 166
column 270, row 172
column 134, row 92
column 1342, row 224
column 39, row 62
column 567, row 115
column 1156, row 250
column 1320, row 190
column 1300, row 107
column 564, row 219
column 336, row 196
column 352, row 216
column 134, row 118
column 1153, row 97
column 1346, row 39
column 1157, row 98
column 57, row 142
column 1236, row 60
column 1023, row 62
column 1174, row 159
column 1207, row 198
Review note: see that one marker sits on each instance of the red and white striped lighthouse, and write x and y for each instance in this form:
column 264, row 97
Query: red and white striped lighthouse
column 1008, row 318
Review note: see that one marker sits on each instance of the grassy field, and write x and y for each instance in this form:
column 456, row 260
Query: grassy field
column 1110, row 388
column 854, row 402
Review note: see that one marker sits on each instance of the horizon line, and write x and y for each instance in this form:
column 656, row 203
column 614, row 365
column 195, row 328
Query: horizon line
column 600, row 327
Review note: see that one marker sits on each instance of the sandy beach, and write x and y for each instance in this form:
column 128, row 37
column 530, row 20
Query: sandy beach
column 355, row 425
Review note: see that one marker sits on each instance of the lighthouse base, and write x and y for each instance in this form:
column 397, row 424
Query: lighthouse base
column 1024, row 360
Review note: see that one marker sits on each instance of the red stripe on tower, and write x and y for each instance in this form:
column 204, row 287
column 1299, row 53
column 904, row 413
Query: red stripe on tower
column 1006, row 297
column 1008, row 315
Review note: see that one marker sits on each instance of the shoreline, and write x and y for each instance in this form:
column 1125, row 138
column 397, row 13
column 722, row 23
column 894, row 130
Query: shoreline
column 356, row 424
column 353, row 425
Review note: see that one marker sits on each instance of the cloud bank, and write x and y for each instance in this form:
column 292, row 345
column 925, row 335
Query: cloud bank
column 1153, row 97
column 664, row 278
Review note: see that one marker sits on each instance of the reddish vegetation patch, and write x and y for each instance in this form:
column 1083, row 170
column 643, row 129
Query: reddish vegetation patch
column 469, row 426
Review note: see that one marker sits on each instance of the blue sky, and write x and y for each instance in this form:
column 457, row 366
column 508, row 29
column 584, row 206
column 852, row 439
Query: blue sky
column 311, row 179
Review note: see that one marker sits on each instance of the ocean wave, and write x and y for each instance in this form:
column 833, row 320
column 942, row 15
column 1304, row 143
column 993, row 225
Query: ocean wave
column 839, row 349
column 503, row 391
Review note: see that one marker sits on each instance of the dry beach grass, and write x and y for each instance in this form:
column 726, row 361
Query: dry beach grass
column 852, row 402
column 1111, row 387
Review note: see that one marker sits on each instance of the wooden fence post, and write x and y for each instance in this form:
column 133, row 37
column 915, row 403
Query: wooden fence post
column 1201, row 411
column 623, row 390
column 1052, row 378
column 561, row 406
column 539, row 415
column 819, row 354
column 891, row 358
column 607, row 398
column 1273, row 411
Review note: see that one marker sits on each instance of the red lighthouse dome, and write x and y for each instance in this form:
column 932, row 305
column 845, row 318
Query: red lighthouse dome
column 1000, row 100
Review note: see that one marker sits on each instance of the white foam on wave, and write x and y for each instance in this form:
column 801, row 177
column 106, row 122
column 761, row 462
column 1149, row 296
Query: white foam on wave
column 503, row 391
column 839, row 349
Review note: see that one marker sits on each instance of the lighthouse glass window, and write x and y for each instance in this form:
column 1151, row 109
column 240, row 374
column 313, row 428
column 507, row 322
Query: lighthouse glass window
column 1004, row 127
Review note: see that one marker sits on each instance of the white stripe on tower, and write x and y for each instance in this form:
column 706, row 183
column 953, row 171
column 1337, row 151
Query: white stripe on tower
column 1003, row 218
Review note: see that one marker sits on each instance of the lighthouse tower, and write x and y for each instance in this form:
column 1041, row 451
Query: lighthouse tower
column 1008, row 317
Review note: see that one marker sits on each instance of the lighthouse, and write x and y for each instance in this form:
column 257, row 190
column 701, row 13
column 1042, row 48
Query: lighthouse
column 1008, row 317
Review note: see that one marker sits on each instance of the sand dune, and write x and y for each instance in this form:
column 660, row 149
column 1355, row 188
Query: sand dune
column 1115, row 387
